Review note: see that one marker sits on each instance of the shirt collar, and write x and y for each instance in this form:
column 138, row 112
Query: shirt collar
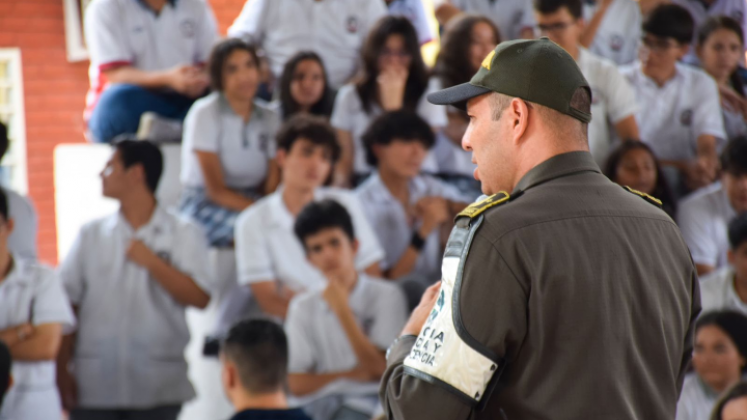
column 381, row 193
column 678, row 74
column 150, row 9
column 556, row 167
column 358, row 297
column 118, row 221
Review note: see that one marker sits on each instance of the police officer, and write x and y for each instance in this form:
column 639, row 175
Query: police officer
column 563, row 295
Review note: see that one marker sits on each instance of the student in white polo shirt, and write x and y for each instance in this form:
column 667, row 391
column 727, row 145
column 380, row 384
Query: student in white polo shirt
column 33, row 312
column 514, row 18
column 228, row 153
column 679, row 114
column 727, row 287
column 340, row 333
column 700, row 10
column 406, row 209
column 394, row 77
column 613, row 101
column 613, row 29
column 130, row 277
column 335, row 29
column 703, row 217
column 147, row 57
column 415, row 11
column 270, row 259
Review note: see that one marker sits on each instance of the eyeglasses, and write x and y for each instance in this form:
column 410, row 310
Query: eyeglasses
column 555, row 27
column 397, row 54
column 658, row 45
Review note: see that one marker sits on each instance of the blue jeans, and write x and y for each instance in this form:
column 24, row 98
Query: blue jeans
column 120, row 107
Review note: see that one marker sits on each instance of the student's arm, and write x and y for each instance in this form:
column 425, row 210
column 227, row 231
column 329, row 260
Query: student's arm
column 708, row 155
column 627, row 128
column 587, row 37
column 65, row 380
column 215, row 186
column 446, row 12
column 343, row 174
column 42, row 344
column 15, row 334
column 704, row 269
column 271, row 299
column 374, row 270
column 301, row 384
column 179, row 285
column 187, row 80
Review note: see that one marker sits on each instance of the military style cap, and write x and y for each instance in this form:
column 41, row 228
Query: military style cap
column 537, row 71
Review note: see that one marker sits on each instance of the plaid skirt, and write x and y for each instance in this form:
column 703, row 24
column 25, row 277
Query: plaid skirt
column 217, row 222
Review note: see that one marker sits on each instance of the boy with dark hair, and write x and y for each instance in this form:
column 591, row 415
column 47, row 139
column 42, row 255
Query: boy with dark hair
column 679, row 113
column 22, row 241
column 727, row 288
column 614, row 101
column 131, row 276
column 254, row 357
column 405, row 208
column 704, row 216
column 270, row 259
column 339, row 334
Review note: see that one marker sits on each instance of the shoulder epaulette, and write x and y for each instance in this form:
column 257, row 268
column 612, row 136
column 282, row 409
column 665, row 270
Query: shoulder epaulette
column 653, row 200
column 475, row 209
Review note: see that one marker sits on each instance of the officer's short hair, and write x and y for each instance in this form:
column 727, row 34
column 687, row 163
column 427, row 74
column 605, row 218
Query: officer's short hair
column 321, row 215
column 5, row 364
column 141, row 152
column 400, row 125
column 546, row 7
column 670, row 21
column 738, row 231
column 732, row 323
column 259, row 349
column 734, row 156
column 312, row 128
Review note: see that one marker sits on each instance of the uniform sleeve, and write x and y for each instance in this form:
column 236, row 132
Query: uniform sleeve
column 341, row 118
column 105, row 37
column 370, row 250
column 493, row 308
column 300, row 350
column 207, row 35
column 249, row 25
column 22, row 241
column 622, row 103
column 193, row 256
column 697, row 230
column 71, row 271
column 707, row 116
column 391, row 316
column 253, row 260
column 51, row 305
column 434, row 114
column 201, row 129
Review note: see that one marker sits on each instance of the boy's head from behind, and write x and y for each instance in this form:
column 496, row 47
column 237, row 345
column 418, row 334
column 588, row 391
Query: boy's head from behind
column 738, row 245
column 326, row 230
column 397, row 142
column 307, row 151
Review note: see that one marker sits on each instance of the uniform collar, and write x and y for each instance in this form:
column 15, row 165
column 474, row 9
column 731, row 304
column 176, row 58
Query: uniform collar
column 117, row 220
column 556, row 167
column 279, row 213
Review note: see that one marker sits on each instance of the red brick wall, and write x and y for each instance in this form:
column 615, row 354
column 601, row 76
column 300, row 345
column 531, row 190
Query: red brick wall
column 54, row 94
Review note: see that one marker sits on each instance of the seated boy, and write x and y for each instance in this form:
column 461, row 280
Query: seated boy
column 727, row 288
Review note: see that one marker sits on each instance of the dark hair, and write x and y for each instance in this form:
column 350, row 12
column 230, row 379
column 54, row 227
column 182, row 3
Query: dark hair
column 417, row 79
column 396, row 125
column 738, row 231
column 713, row 24
column 219, row 55
column 453, row 63
column 312, row 128
column 670, row 21
column 141, row 152
column 662, row 191
column 545, row 7
column 734, row 156
column 4, row 141
column 5, row 365
column 734, row 393
column 289, row 105
column 321, row 215
column 732, row 323
column 259, row 349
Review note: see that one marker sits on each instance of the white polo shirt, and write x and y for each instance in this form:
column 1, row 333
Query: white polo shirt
column 734, row 122
column 672, row 117
column 32, row 293
column 415, row 12
column 349, row 115
column 619, row 33
column 120, row 32
column 717, row 292
column 267, row 249
column 334, row 29
column 734, row 9
column 244, row 148
column 703, row 218
column 22, row 241
column 696, row 399
column 613, row 100
column 510, row 16
column 132, row 333
column 394, row 226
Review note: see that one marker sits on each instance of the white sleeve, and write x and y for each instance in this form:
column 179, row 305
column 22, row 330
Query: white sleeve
column 50, row 305
column 22, row 241
column 435, row 115
column 622, row 103
column 71, row 271
column 707, row 115
column 192, row 258
column 253, row 261
column 207, row 34
column 391, row 317
column 696, row 228
column 300, row 350
column 370, row 250
column 341, row 118
column 249, row 25
column 419, row 20
column 375, row 10
column 104, row 33
column 201, row 129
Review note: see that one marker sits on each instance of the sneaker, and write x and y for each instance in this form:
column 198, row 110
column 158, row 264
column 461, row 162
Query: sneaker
column 159, row 129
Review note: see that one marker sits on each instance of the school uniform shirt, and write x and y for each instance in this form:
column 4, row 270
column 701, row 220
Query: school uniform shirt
column 22, row 241
column 267, row 249
column 510, row 16
column 32, row 293
column 734, row 122
column 349, row 115
column 128, row 32
column 717, row 292
column 394, row 226
column 734, row 9
column 334, row 29
column 612, row 100
column 244, row 148
column 414, row 11
column 671, row 117
column 703, row 218
column 129, row 350
column 619, row 33
column 696, row 399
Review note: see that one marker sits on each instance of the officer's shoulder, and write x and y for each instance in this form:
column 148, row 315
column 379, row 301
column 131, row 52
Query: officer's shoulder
column 649, row 198
column 477, row 208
